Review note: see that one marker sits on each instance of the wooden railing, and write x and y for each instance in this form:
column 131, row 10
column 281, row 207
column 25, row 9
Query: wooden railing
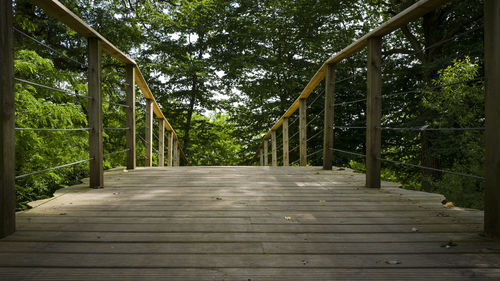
column 373, row 41
column 96, row 45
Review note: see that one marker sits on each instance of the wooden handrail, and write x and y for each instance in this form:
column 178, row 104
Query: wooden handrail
column 413, row 12
column 63, row 14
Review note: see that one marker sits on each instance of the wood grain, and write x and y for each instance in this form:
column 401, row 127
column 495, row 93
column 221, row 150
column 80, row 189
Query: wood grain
column 7, row 122
column 259, row 223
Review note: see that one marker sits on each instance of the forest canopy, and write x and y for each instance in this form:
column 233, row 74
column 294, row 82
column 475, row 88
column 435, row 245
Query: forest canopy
column 223, row 71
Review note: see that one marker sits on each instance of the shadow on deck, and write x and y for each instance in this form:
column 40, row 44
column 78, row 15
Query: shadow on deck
column 246, row 223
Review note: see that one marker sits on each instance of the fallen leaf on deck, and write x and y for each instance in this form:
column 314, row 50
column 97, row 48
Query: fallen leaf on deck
column 218, row 198
column 125, row 170
column 288, row 218
column 393, row 262
column 449, row 205
column 414, row 229
column 322, row 201
column 449, row 244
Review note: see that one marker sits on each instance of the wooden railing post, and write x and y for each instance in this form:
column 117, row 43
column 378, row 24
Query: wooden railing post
column 7, row 123
column 266, row 152
column 170, row 147
column 95, row 113
column 161, row 142
column 303, row 132
column 261, row 158
column 285, row 142
column 176, row 152
column 492, row 106
column 130, row 135
column 373, row 112
column 329, row 117
column 149, row 133
column 274, row 161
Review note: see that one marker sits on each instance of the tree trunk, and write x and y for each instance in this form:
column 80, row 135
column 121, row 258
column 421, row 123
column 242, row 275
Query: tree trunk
column 192, row 101
column 432, row 35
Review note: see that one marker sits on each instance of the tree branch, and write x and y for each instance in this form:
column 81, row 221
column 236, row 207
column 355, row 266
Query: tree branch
column 413, row 41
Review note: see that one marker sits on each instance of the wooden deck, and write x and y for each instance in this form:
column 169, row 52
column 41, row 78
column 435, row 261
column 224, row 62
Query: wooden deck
column 246, row 223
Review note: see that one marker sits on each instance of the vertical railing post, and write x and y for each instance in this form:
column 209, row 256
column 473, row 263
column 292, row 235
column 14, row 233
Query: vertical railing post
column 95, row 113
column 373, row 112
column 7, row 123
column 274, row 161
column 176, row 152
column 492, row 110
column 149, row 133
column 303, row 132
column 261, row 158
column 266, row 158
column 329, row 117
column 161, row 142
column 130, row 135
column 170, row 147
column 285, row 142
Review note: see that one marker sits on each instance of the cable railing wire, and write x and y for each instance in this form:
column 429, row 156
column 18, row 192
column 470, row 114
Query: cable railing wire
column 314, row 153
column 49, row 47
column 116, row 152
column 348, row 127
column 107, row 128
column 431, row 169
column 422, row 128
column 156, row 150
column 426, row 128
column 348, row 152
column 51, row 88
column 294, row 120
column 52, row 130
column 315, row 117
column 316, row 99
column 433, row 88
column 442, row 42
column 315, row 135
column 118, row 104
column 349, row 77
column 349, row 102
column 53, row 168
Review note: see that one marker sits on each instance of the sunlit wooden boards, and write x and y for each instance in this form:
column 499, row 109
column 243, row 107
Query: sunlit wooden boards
column 241, row 223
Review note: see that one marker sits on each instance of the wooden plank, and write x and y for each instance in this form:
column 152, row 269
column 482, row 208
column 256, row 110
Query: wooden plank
column 277, row 274
column 249, row 261
column 250, row 228
column 94, row 49
column 303, row 132
column 274, row 159
column 221, row 237
column 161, row 142
column 170, row 148
column 48, row 219
column 7, row 122
column 492, row 107
column 247, row 248
column 130, row 135
column 328, row 132
column 148, row 124
column 373, row 112
column 285, row 142
column 266, row 153
column 247, row 214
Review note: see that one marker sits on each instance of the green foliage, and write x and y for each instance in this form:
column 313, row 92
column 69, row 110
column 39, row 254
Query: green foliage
column 38, row 108
column 213, row 144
